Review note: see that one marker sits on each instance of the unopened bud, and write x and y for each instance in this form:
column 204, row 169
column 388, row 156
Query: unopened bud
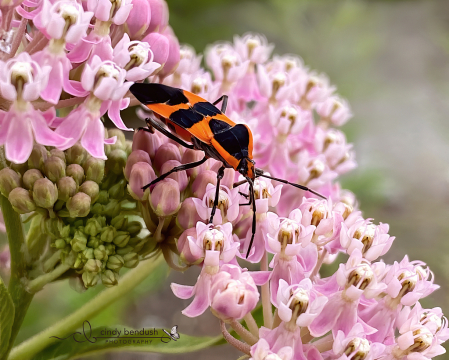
column 201, row 181
column 187, row 215
column 30, row 177
column 109, row 278
column 60, row 244
column 110, row 249
column 131, row 260
column 58, row 153
column 93, row 265
column 94, row 169
column 88, row 253
column 100, row 253
column 120, row 222
column 76, row 154
column 135, row 157
column 159, row 45
column 165, row 198
column 134, row 228
column 141, row 174
column 90, row 279
column 78, row 242
column 115, row 262
column 167, row 151
column 45, row 193
column 54, row 168
column 103, row 197
column 66, row 187
column 112, row 208
column 117, row 191
column 179, row 176
column 76, row 172
column 94, row 242
column 121, row 140
column 79, row 205
column 9, row 180
column 116, row 161
column 90, row 188
column 121, row 239
column 108, row 234
column 37, row 157
column 93, row 227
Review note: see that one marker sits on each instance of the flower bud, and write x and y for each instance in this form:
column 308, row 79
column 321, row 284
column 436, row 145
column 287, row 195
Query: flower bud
column 121, row 139
column 93, row 227
column 116, row 161
column 112, row 208
column 45, row 193
column 19, row 168
column 21, row 201
column 90, row 279
column 134, row 228
column 59, row 244
column 94, row 242
column 108, row 234
column 187, row 215
column 167, row 151
column 9, row 180
column 117, row 191
column 131, row 260
column 37, row 157
column 190, row 156
column 159, row 46
column 146, row 141
column 121, row 239
column 100, row 253
column 90, row 188
column 78, row 242
column 93, row 265
column 109, row 278
column 94, row 169
column 201, row 181
column 54, row 168
column 173, row 54
column 159, row 16
column 79, row 205
column 138, row 19
column 76, row 154
column 135, row 157
column 141, row 174
column 115, row 262
column 180, row 176
column 126, row 250
column 120, row 222
column 110, row 249
column 103, row 197
column 76, row 172
column 88, row 253
column 58, row 153
column 30, row 177
column 66, row 187
column 165, row 199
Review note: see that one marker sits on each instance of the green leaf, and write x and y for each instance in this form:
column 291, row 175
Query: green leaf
column 6, row 318
column 88, row 341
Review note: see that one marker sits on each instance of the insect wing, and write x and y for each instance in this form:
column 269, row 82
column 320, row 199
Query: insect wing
column 174, row 332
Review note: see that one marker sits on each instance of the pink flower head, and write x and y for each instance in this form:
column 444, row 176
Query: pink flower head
column 346, row 347
column 299, row 304
column 334, row 110
column 234, row 292
column 63, row 19
column 104, row 11
column 372, row 240
column 253, row 47
column 135, row 57
column 211, row 244
column 313, row 89
column 228, row 204
column 261, row 351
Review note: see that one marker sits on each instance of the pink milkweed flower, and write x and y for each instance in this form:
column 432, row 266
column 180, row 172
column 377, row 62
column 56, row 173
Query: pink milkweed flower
column 372, row 240
column 274, row 85
column 334, row 110
column 313, row 89
column 253, row 47
column 105, row 82
column 228, row 204
column 266, row 196
column 21, row 81
column 107, row 10
column 135, row 57
column 354, row 344
column 189, row 63
column 234, row 292
column 212, row 245
column 298, row 304
column 355, row 278
column 261, row 351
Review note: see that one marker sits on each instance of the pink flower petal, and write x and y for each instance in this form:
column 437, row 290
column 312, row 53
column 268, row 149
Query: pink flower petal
column 93, row 139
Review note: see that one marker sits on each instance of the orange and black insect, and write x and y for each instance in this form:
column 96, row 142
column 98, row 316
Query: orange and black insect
column 197, row 124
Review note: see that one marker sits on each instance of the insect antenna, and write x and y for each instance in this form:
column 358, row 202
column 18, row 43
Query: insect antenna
column 260, row 173
column 253, row 199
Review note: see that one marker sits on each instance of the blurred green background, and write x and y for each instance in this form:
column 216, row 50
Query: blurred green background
column 390, row 59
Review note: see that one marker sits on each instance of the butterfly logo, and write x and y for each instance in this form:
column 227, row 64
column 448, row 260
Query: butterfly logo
column 173, row 333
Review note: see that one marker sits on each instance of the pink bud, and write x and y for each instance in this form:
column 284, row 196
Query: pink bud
column 180, row 176
column 164, row 153
column 159, row 16
column 188, row 216
column 165, row 199
column 138, row 20
column 135, row 157
column 173, row 54
column 159, row 45
column 141, row 174
column 143, row 140
column 201, row 181
column 190, row 156
column 184, row 246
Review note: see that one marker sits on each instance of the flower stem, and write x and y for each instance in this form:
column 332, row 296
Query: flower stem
column 17, row 247
column 18, row 38
column 318, row 264
column 64, row 327
column 252, row 325
column 266, row 303
column 37, row 284
column 243, row 333
column 239, row 345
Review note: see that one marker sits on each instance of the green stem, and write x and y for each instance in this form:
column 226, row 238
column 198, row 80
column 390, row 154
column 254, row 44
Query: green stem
column 266, row 302
column 64, row 327
column 17, row 247
column 37, row 284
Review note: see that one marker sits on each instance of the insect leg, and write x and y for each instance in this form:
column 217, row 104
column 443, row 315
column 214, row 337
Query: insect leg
column 220, row 175
column 175, row 169
column 224, row 104
column 151, row 122
column 253, row 228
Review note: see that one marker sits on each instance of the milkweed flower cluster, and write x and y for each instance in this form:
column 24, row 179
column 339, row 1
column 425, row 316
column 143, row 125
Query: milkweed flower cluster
column 65, row 64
